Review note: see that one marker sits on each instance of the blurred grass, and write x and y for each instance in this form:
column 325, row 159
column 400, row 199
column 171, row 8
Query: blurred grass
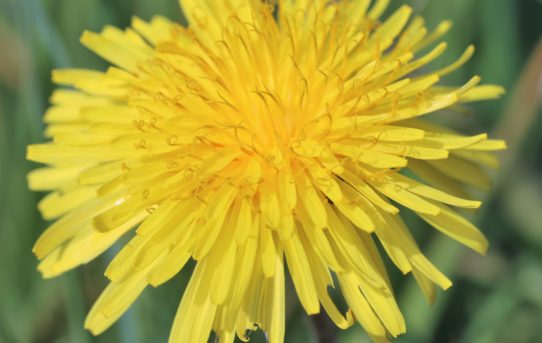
column 496, row 298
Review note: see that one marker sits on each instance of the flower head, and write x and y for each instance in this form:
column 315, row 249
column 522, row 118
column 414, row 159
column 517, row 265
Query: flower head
column 261, row 138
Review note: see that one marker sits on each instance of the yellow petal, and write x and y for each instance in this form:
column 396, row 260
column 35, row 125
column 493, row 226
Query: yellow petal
column 245, row 262
column 442, row 28
column 62, row 114
column 217, row 162
column 430, row 192
column 464, row 171
column 243, row 222
column 372, row 158
column 114, row 301
column 84, row 247
column 405, row 198
column 46, row 179
column 363, row 188
column 421, row 150
column 301, row 275
column 457, row 64
column 357, row 216
column 362, row 310
column 378, row 9
column 391, row 28
column 488, row 145
column 274, row 303
column 457, row 227
column 193, row 321
column 390, row 133
column 114, row 50
column 422, row 264
column 172, row 264
column 269, row 204
column 268, row 252
column 318, row 241
column 435, row 178
column 484, row 92
column 221, row 201
column 311, row 201
column 287, row 188
column 70, row 155
column 69, row 225
column 384, row 304
column 426, row 285
column 158, row 29
column 58, row 203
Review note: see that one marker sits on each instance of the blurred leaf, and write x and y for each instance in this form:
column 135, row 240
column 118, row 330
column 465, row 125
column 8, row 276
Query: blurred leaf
column 13, row 59
column 524, row 196
column 522, row 109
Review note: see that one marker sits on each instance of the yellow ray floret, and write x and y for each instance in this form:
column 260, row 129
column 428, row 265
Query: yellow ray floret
column 259, row 140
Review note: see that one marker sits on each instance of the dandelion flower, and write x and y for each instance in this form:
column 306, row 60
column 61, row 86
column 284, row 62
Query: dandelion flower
column 259, row 139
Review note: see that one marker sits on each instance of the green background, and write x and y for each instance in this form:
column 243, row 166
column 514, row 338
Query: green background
column 496, row 298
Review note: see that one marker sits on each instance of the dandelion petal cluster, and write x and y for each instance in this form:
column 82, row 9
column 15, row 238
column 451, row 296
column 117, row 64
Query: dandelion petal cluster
column 262, row 138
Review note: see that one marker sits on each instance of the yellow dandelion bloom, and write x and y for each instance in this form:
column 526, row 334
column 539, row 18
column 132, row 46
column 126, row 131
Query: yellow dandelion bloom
column 261, row 138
